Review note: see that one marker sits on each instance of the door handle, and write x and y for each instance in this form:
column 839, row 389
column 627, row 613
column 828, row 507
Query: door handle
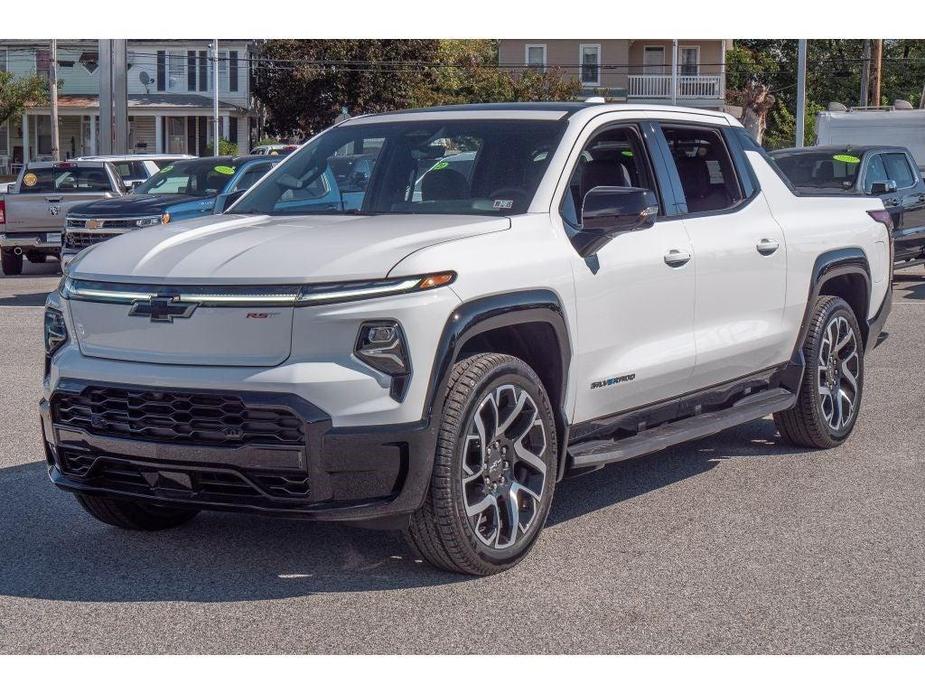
column 767, row 246
column 676, row 258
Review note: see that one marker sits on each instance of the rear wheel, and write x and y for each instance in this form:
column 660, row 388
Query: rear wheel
column 11, row 263
column 36, row 257
column 134, row 515
column 830, row 394
column 494, row 470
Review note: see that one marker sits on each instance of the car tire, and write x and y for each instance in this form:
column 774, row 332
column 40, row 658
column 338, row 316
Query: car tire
column 134, row 515
column 11, row 263
column 833, row 380
column 494, row 471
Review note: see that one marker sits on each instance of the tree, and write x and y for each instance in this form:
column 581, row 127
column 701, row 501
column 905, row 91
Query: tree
column 18, row 92
column 305, row 84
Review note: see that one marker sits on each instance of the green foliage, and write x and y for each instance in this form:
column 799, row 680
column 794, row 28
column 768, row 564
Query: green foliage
column 310, row 81
column 18, row 92
column 226, row 148
column 834, row 69
column 267, row 141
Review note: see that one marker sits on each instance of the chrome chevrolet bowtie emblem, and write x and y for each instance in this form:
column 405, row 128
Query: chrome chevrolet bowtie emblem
column 163, row 309
column 94, row 224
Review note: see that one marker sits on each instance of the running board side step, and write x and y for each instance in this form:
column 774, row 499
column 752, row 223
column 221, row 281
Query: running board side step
column 749, row 408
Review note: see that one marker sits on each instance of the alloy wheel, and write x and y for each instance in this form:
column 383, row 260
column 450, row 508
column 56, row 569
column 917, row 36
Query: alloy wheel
column 503, row 472
column 839, row 370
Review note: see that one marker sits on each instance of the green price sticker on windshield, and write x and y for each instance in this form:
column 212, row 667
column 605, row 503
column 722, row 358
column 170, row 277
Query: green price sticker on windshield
column 226, row 170
column 167, row 168
column 626, row 153
column 847, row 158
column 440, row 165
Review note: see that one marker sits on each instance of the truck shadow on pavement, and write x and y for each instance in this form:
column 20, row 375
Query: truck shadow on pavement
column 51, row 549
column 34, row 299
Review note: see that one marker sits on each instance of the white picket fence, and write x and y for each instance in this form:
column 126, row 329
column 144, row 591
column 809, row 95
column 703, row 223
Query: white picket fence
column 689, row 86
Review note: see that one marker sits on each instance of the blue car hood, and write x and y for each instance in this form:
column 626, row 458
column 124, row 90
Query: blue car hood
column 135, row 204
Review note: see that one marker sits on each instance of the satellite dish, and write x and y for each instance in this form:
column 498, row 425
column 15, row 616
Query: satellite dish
column 146, row 80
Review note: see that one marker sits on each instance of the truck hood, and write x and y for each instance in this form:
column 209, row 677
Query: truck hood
column 239, row 249
column 132, row 204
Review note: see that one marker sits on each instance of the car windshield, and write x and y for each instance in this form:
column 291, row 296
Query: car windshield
column 474, row 166
column 819, row 169
column 198, row 177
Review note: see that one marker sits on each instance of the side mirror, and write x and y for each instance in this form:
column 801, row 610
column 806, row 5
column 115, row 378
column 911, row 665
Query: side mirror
column 882, row 187
column 232, row 198
column 609, row 211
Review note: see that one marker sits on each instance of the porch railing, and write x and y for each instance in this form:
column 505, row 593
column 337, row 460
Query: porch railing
column 689, row 86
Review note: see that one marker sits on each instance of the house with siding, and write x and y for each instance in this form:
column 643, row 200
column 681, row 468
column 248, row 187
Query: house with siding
column 170, row 106
column 659, row 71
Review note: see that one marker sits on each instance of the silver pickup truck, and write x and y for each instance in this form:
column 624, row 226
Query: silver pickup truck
column 33, row 211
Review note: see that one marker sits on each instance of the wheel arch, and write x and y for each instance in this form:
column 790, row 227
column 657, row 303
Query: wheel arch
column 844, row 273
column 529, row 325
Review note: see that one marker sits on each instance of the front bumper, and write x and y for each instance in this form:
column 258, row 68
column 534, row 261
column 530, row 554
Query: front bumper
column 346, row 474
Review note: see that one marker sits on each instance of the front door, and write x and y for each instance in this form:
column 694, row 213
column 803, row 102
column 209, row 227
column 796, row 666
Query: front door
column 635, row 297
column 741, row 260
column 910, row 198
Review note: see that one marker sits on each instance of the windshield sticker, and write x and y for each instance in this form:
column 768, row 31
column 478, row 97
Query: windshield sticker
column 274, row 153
column 626, row 153
column 847, row 158
column 440, row 165
column 167, row 168
column 226, row 170
column 502, row 204
column 30, row 179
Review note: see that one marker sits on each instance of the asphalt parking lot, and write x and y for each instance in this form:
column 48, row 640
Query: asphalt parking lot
column 737, row 543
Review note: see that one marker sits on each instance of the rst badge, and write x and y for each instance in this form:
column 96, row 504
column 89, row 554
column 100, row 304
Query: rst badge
column 162, row 309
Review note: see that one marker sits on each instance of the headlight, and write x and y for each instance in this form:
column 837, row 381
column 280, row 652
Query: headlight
column 351, row 291
column 55, row 330
column 153, row 221
column 381, row 345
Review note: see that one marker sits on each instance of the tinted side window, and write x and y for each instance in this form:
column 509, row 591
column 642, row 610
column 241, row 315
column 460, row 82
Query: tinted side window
column 707, row 176
column 615, row 157
column 898, row 169
column 251, row 176
column 875, row 172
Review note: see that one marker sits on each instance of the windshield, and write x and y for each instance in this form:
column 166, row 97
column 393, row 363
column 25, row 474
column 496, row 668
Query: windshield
column 484, row 167
column 819, row 169
column 198, row 177
column 66, row 178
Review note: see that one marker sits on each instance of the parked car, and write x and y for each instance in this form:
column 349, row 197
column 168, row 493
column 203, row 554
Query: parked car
column 186, row 189
column 609, row 282
column 32, row 212
column 892, row 127
column 888, row 173
column 137, row 168
column 277, row 150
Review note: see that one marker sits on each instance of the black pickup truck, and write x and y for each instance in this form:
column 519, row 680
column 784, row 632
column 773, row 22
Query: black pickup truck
column 889, row 173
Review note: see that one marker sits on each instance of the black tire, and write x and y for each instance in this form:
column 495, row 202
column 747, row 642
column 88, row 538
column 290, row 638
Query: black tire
column 134, row 515
column 808, row 423
column 11, row 263
column 36, row 257
column 441, row 530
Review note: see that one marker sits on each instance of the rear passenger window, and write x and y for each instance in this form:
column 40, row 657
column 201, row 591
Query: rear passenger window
column 615, row 157
column 876, row 173
column 707, row 175
column 898, row 169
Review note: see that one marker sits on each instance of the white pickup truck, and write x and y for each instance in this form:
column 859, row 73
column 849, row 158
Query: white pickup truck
column 33, row 210
column 596, row 283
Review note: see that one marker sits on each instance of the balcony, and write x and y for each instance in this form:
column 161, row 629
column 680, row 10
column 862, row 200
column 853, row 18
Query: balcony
column 690, row 87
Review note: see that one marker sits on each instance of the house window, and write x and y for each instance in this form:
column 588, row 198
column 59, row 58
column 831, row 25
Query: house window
column 232, row 71
column 690, row 60
column 176, row 71
column 90, row 61
column 590, row 55
column 42, row 62
column 222, row 70
column 4, row 141
column 535, row 56
column 653, row 60
column 3, row 61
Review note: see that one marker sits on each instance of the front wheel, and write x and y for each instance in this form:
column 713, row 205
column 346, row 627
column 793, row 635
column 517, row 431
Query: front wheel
column 833, row 381
column 494, row 470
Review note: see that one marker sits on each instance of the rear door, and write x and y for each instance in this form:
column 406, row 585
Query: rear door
column 740, row 256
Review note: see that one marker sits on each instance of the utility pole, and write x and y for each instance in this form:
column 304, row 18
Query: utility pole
column 104, row 144
column 215, row 123
column 674, row 71
column 53, row 93
column 801, row 92
column 865, row 76
column 877, row 68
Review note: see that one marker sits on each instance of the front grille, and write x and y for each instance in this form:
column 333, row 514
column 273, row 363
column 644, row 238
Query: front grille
column 78, row 240
column 176, row 480
column 177, row 417
column 120, row 223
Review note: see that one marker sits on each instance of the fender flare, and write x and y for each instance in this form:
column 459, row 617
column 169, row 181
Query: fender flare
column 487, row 313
